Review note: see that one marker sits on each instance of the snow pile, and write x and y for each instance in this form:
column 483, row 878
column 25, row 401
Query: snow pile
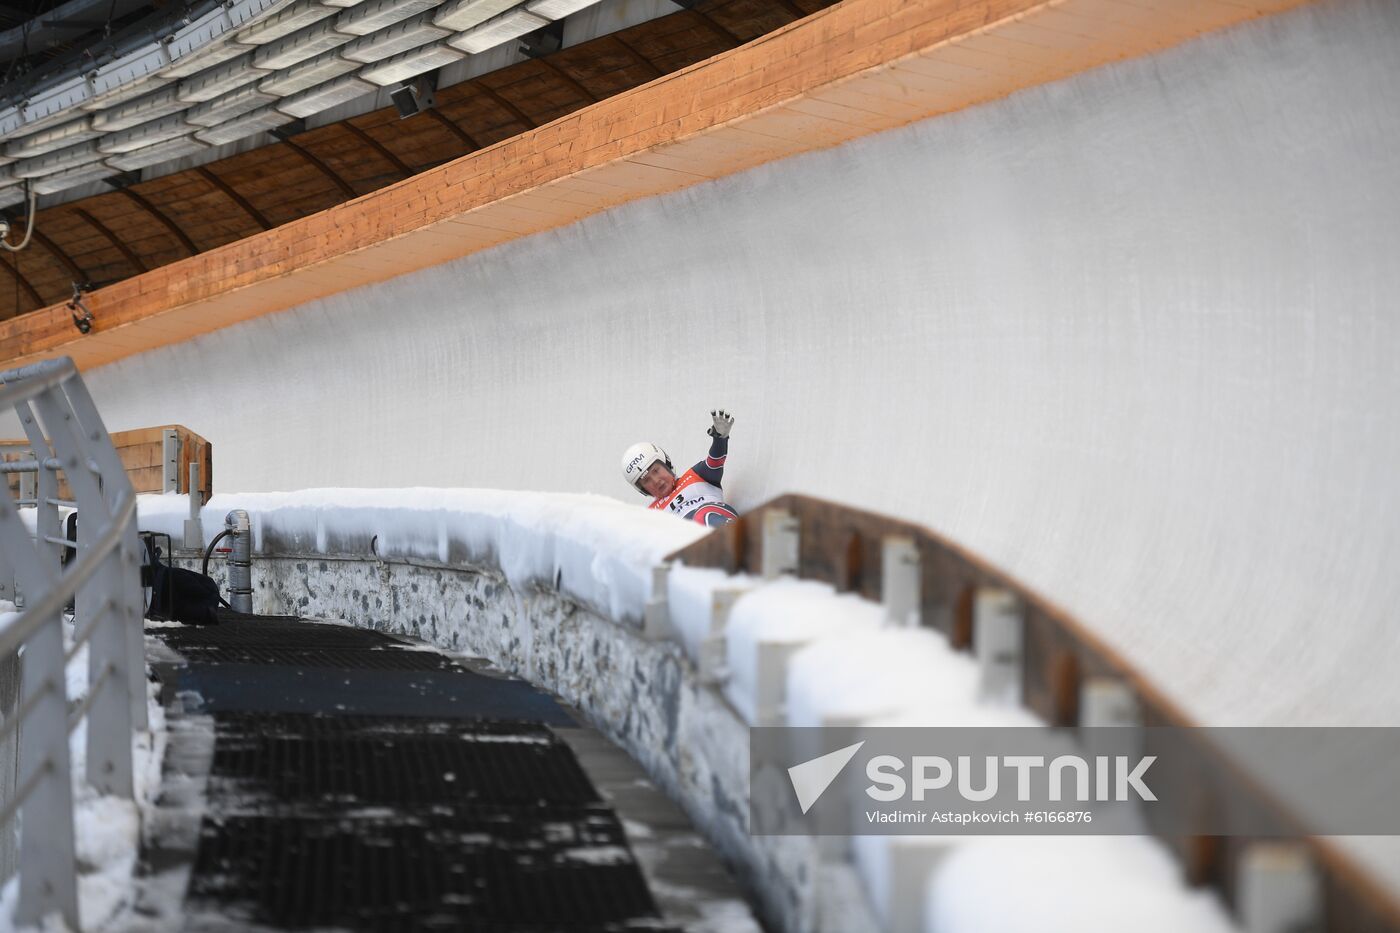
column 785, row 615
column 595, row 549
column 106, row 829
column 845, row 666
column 1075, row 883
column 690, row 593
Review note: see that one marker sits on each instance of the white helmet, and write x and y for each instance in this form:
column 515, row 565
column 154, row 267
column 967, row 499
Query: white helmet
column 638, row 459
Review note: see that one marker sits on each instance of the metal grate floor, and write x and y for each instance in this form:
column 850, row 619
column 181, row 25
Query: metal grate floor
column 363, row 761
column 464, row 815
column 275, row 640
column 563, row 871
column 264, row 631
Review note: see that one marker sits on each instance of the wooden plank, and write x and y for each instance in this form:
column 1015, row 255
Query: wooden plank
column 831, row 69
column 142, row 454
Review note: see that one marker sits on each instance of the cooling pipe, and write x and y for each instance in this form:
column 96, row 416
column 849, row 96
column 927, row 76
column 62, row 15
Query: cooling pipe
column 240, row 561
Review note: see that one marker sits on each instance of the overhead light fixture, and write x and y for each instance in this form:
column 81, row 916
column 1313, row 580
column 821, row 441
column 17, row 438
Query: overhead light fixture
column 72, row 178
column 497, row 31
column 250, row 124
column 54, row 138
column 230, row 105
column 400, row 37
column 307, row 42
column 374, row 15
column 152, row 106
column 325, row 96
column 154, row 155
column 84, row 153
column 557, row 9
column 201, row 43
column 219, row 80
column 57, row 101
column 171, row 126
column 284, row 22
column 461, row 15
column 131, row 75
column 308, row 74
column 412, row 63
column 413, row 97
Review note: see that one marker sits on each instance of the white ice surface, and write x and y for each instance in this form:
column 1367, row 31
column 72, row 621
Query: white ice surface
column 1130, row 336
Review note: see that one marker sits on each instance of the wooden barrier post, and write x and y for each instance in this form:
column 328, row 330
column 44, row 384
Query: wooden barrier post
column 780, row 543
column 899, row 580
column 1279, row 891
column 997, row 641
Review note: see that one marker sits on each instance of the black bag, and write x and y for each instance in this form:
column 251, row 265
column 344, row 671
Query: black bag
column 181, row 595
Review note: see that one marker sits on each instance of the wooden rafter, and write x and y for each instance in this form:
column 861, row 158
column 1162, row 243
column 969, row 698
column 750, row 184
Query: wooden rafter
column 320, row 166
column 453, row 128
column 112, row 238
column 514, row 111
column 378, row 147
column 235, row 197
column 568, row 79
column 160, row 218
column 58, row 253
column 637, row 57
column 716, row 28
column 513, row 93
column 13, row 268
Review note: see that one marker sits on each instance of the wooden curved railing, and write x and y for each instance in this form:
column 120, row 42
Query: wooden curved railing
column 845, row 547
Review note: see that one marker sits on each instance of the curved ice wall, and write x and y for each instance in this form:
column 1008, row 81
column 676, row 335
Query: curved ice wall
column 1132, row 336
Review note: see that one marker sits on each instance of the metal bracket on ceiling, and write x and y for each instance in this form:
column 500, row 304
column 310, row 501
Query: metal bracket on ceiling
column 288, row 130
column 124, row 180
column 543, row 41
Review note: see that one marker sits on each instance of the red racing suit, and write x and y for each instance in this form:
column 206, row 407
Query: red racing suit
column 697, row 494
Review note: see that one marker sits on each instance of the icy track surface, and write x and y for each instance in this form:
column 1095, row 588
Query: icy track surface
column 1130, row 336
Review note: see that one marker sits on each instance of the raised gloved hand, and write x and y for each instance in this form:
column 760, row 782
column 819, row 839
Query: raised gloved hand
column 723, row 422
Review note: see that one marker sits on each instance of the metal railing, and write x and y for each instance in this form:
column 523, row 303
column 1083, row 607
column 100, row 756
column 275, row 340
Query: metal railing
column 67, row 435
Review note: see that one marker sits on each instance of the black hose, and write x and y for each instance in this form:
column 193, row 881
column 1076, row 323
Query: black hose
column 210, row 549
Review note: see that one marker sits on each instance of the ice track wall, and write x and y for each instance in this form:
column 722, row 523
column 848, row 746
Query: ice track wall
column 1131, row 336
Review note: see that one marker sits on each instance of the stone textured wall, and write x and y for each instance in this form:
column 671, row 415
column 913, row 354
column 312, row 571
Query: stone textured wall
column 644, row 695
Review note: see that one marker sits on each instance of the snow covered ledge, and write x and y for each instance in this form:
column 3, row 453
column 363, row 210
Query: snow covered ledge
column 554, row 588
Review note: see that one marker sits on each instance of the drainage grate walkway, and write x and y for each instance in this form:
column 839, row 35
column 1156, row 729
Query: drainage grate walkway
column 453, row 806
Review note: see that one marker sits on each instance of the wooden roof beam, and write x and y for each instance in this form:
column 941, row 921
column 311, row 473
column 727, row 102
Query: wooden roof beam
column 454, row 128
column 234, row 196
column 378, row 147
column 320, row 166
column 160, row 218
column 112, row 238
column 13, row 269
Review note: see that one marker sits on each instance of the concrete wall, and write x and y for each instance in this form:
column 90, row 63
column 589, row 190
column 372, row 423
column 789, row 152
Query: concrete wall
column 1131, row 336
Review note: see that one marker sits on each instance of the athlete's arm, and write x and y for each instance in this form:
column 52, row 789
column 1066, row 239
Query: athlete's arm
column 711, row 469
